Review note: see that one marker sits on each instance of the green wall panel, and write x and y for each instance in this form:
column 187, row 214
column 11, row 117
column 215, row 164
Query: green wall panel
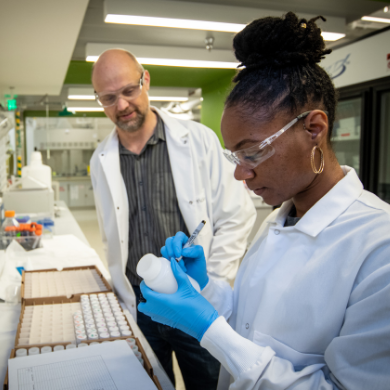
column 29, row 113
column 79, row 72
column 214, row 96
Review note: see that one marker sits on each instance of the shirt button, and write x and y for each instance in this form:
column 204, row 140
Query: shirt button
column 141, row 182
column 246, row 326
column 146, row 234
column 143, row 208
column 276, row 232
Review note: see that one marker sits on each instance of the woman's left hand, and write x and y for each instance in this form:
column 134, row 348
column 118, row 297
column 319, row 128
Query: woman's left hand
column 186, row 309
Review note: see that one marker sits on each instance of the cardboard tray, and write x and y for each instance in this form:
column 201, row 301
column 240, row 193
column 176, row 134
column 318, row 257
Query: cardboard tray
column 147, row 366
column 59, row 300
column 63, row 298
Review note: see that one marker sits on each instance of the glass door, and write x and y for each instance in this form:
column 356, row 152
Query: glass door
column 384, row 148
column 347, row 131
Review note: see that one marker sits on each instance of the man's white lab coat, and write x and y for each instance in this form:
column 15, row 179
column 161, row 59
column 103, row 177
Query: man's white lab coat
column 311, row 302
column 205, row 189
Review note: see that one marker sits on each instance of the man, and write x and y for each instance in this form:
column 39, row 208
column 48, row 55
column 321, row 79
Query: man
column 153, row 176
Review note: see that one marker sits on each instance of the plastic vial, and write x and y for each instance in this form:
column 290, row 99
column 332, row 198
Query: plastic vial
column 138, row 354
column 21, row 352
column 9, row 220
column 126, row 332
column 130, row 342
column 104, row 335
column 157, row 274
column 81, row 337
column 46, row 349
column 134, row 348
column 82, row 345
column 71, row 346
column 33, row 351
column 115, row 333
column 58, row 348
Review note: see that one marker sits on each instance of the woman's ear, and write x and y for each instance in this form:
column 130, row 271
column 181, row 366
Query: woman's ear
column 316, row 123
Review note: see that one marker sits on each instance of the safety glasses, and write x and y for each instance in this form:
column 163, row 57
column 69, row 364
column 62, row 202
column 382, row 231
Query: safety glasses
column 128, row 92
column 256, row 154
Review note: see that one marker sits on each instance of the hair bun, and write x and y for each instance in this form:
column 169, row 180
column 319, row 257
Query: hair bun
column 280, row 42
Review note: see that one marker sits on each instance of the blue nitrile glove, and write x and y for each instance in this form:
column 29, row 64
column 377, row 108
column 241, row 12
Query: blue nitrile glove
column 186, row 309
column 194, row 260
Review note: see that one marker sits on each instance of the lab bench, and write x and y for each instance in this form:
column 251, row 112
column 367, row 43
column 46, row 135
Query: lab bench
column 9, row 314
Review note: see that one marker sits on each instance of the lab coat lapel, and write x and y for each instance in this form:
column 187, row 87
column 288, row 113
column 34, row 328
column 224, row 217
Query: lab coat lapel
column 111, row 166
column 183, row 170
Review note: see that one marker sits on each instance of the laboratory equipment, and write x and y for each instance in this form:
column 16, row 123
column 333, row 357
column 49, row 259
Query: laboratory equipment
column 157, row 274
column 33, row 193
column 36, row 174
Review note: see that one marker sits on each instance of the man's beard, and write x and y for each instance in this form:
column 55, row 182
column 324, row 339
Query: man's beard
column 132, row 125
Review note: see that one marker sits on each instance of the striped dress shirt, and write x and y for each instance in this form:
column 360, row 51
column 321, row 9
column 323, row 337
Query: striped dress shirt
column 154, row 213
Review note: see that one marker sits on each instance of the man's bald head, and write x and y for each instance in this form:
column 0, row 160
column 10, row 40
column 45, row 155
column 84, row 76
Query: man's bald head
column 114, row 61
column 118, row 73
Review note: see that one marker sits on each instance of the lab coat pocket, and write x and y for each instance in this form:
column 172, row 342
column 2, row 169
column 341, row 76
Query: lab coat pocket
column 298, row 359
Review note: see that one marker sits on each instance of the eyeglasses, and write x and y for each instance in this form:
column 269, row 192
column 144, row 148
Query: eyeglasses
column 128, row 92
column 256, row 154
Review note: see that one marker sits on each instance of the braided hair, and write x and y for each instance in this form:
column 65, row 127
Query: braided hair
column 281, row 57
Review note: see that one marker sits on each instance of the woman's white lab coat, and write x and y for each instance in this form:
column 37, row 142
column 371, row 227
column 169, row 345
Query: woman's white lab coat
column 205, row 189
column 311, row 302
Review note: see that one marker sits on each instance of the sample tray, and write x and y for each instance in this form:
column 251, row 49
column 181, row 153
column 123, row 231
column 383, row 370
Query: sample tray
column 42, row 285
column 57, row 331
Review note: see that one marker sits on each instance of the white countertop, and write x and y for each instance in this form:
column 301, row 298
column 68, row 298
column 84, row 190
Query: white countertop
column 66, row 255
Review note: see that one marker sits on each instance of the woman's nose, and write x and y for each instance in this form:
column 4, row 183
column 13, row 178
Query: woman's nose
column 242, row 173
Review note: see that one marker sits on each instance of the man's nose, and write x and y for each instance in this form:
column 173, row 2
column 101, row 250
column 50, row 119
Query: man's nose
column 122, row 104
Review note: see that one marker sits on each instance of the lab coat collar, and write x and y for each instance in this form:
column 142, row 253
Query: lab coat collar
column 328, row 208
column 177, row 130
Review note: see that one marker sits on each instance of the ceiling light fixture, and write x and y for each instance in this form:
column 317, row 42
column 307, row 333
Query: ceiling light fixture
column 81, row 97
column 374, row 19
column 167, row 99
column 86, row 109
column 174, row 23
column 180, row 63
column 331, row 36
column 191, row 24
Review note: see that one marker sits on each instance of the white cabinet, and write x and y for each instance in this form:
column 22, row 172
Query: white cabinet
column 77, row 193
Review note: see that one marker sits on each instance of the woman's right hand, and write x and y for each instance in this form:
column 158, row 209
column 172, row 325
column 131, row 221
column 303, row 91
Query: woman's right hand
column 193, row 257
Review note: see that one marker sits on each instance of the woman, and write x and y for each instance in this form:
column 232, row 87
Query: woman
column 311, row 301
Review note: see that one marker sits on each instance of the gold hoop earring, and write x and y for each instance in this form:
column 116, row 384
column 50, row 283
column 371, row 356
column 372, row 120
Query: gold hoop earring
column 322, row 165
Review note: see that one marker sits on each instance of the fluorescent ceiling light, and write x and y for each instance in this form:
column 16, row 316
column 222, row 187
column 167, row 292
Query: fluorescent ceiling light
column 86, row 109
column 182, row 63
column 331, row 36
column 81, row 97
column 192, row 24
column 174, row 23
column 167, row 99
column 374, row 19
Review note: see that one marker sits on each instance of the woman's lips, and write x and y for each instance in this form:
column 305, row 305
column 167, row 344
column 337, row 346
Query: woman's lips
column 259, row 191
